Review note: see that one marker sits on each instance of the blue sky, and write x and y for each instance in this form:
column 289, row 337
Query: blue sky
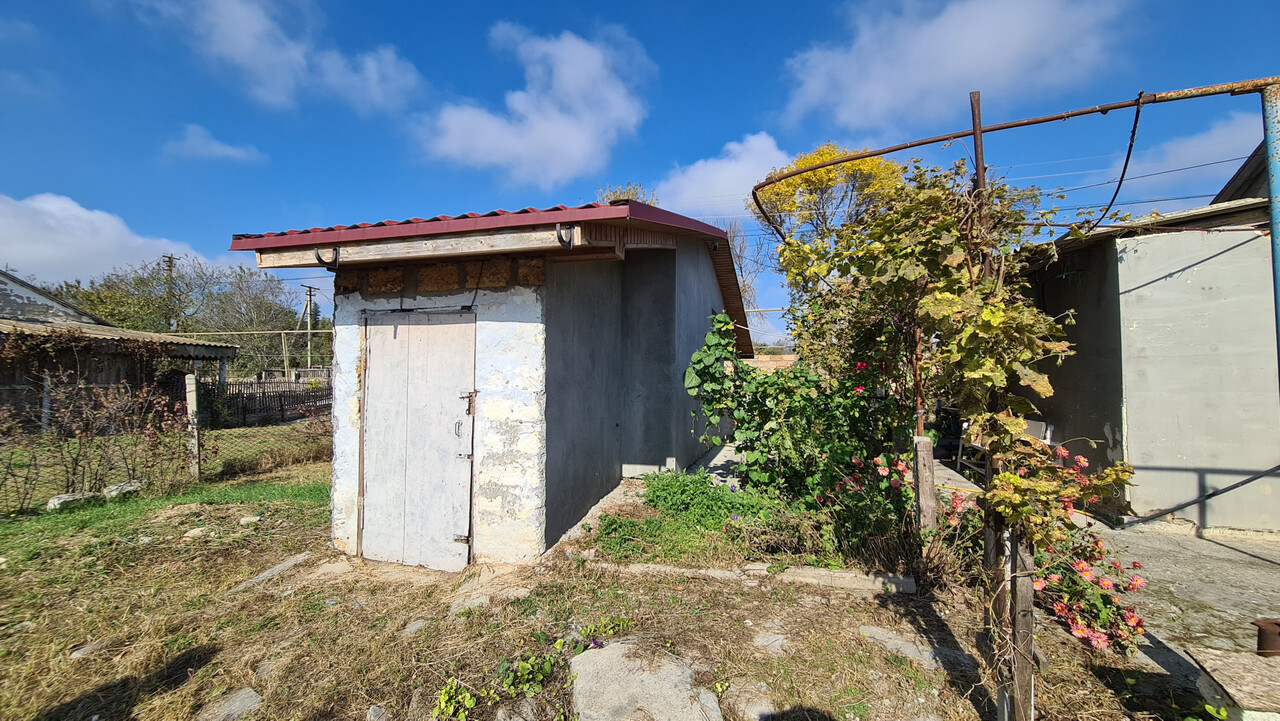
column 136, row 127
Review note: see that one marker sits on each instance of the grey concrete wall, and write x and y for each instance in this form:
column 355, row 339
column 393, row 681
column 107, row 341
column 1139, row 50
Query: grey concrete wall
column 1201, row 392
column 668, row 298
column 584, row 384
column 697, row 299
column 509, row 452
column 648, row 356
column 1088, row 387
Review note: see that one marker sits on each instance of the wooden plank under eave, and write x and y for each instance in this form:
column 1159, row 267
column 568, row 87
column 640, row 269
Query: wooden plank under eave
column 408, row 249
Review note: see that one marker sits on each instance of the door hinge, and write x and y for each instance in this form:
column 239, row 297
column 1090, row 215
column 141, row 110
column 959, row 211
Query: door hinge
column 470, row 398
column 462, row 539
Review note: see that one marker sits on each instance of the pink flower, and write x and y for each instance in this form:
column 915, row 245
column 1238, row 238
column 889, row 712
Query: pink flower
column 882, row 471
column 857, row 461
column 1131, row 618
column 1137, row 565
column 1082, row 568
column 1105, row 583
column 953, row 520
column 1055, row 579
column 1099, row 641
column 860, row 365
column 1136, row 582
column 858, row 389
column 1062, row 452
column 1060, row 609
column 895, row 482
column 1082, row 461
column 1038, row 584
column 878, row 461
column 1079, row 631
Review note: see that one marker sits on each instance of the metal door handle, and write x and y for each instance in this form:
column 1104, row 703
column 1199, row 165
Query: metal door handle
column 457, row 429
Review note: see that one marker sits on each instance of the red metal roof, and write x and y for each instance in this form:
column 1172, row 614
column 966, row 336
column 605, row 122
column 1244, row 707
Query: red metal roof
column 625, row 210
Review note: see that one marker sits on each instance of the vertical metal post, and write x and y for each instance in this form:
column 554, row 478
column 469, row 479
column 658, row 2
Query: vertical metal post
column 979, row 173
column 1271, row 130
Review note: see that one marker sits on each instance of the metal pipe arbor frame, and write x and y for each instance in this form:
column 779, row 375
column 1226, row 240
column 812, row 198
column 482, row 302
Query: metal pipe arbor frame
column 1013, row 568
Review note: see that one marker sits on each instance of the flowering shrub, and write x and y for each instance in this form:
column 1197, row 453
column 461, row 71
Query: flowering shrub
column 1081, row 579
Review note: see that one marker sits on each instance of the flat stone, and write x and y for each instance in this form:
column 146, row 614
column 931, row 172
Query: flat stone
column 250, row 520
column 524, row 710
column 421, row 705
column 272, row 572
column 70, row 500
column 756, row 569
column 773, row 644
column 467, row 603
column 612, row 685
column 231, row 706
column 144, row 540
column 117, row 490
column 413, row 627
column 264, row 669
column 849, row 580
column 752, row 702
column 23, row 627
column 331, row 602
column 377, row 713
column 196, row 532
column 89, row 649
column 1247, row 679
column 918, row 650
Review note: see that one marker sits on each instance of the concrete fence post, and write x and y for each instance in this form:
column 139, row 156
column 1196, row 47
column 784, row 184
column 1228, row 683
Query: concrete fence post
column 926, row 492
column 193, row 427
column 46, row 402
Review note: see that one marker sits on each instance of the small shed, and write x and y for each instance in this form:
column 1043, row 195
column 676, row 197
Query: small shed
column 496, row 375
column 26, row 309
column 1175, row 369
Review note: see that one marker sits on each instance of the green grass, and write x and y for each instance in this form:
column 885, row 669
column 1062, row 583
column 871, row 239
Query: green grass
column 122, row 515
column 689, row 519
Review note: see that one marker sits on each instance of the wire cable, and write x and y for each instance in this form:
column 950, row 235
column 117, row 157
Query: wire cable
column 1124, row 169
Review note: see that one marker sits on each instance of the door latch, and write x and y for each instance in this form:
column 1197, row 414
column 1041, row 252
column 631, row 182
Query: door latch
column 462, row 539
column 470, row 398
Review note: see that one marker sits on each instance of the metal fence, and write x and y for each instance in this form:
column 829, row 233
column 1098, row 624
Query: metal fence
column 239, row 403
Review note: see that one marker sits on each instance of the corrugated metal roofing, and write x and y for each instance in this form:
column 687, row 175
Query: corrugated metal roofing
column 625, row 210
column 182, row 347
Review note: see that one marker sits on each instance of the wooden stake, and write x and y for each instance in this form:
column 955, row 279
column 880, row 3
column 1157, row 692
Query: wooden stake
column 926, row 493
column 1023, row 618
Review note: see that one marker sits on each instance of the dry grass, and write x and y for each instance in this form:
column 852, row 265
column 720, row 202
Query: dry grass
column 330, row 629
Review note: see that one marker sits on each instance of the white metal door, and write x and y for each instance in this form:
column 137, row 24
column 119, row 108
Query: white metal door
column 419, row 374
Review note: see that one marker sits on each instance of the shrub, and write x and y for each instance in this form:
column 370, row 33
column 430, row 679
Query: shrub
column 1083, row 582
column 788, row 425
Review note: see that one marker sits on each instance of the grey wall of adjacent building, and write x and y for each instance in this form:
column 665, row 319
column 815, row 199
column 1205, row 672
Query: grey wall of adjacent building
column 1201, row 393
column 1088, row 388
column 584, row 380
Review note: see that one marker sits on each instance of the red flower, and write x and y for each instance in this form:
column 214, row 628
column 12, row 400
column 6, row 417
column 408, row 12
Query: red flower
column 860, row 365
column 858, row 389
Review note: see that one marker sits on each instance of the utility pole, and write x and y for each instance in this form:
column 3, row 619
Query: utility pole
column 310, row 298
column 169, row 261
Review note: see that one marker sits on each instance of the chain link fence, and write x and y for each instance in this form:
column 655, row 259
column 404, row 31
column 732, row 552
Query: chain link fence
column 64, row 437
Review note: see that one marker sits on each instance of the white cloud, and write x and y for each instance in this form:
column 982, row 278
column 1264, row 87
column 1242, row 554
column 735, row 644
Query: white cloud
column 916, row 65
column 271, row 47
column 719, row 185
column 578, row 100
column 1234, row 136
column 197, row 142
column 55, row 238
column 14, row 30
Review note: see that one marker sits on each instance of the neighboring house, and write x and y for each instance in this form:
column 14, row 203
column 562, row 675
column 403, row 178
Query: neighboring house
column 1175, row 367
column 496, row 375
column 26, row 309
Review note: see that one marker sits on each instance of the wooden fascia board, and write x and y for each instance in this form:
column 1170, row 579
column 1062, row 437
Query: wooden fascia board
column 436, row 247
